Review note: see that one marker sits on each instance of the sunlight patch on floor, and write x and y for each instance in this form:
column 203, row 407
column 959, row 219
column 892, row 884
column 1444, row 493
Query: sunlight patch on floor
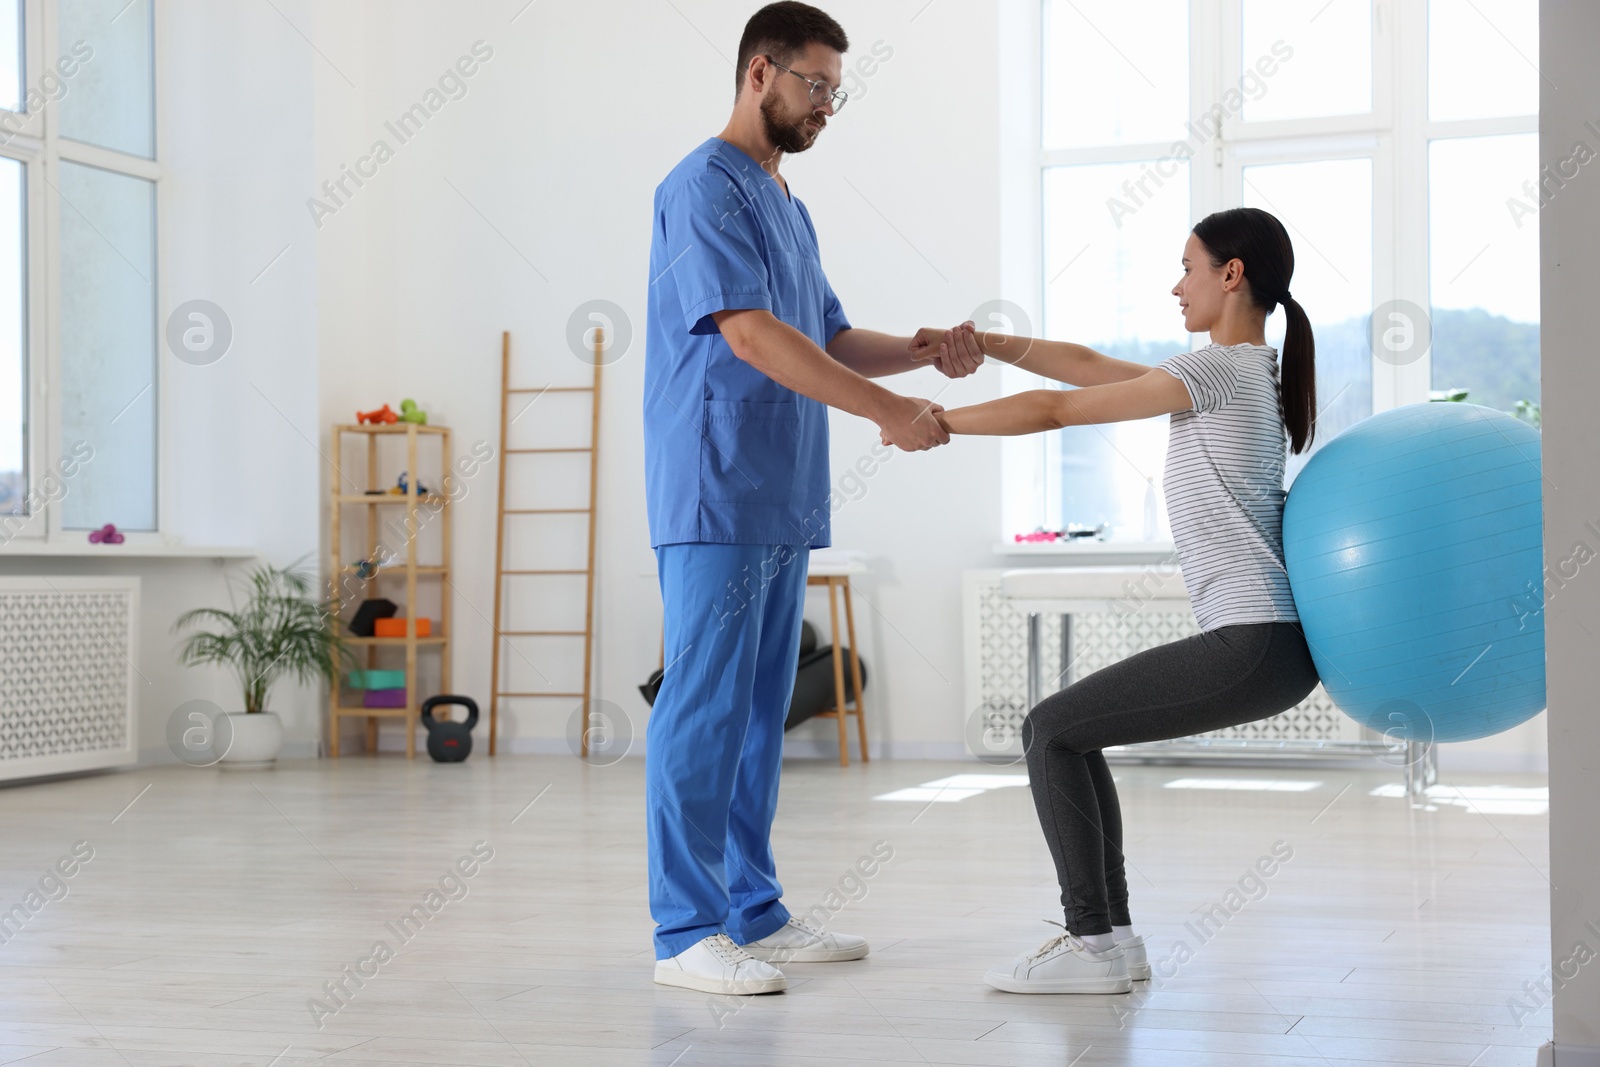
column 954, row 788
column 1266, row 785
column 1487, row 799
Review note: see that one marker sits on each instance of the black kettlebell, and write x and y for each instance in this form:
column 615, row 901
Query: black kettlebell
column 449, row 741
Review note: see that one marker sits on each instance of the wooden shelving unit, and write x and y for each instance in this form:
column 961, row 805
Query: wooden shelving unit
column 347, row 579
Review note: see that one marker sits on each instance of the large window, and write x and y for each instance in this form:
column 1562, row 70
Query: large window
column 1484, row 192
column 79, row 377
column 1109, row 279
column 13, row 334
column 1387, row 138
column 107, row 268
column 1326, row 205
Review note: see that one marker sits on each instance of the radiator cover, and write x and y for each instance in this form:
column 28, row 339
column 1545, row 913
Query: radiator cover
column 67, row 652
column 997, row 683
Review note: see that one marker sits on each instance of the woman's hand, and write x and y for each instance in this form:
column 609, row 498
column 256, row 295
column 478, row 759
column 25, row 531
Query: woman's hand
column 955, row 351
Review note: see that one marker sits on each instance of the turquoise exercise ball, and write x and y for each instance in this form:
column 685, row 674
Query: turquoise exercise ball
column 1414, row 545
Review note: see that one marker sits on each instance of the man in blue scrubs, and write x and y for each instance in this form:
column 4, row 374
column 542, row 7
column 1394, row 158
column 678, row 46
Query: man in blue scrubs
column 747, row 347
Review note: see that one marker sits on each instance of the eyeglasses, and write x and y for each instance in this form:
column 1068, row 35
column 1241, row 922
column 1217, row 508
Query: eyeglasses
column 820, row 93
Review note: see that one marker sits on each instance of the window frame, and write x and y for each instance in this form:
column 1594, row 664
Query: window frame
column 42, row 150
column 1395, row 134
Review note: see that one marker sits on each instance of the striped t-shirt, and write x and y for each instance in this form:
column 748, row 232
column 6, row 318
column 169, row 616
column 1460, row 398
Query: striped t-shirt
column 1224, row 485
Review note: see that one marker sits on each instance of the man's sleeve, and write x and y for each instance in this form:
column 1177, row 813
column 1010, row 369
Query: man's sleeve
column 716, row 248
column 1210, row 373
column 833, row 319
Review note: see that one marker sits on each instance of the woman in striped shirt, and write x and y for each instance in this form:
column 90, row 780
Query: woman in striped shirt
column 1231, row 415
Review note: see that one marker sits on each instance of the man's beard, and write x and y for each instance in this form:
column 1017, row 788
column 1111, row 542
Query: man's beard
column 787, row 133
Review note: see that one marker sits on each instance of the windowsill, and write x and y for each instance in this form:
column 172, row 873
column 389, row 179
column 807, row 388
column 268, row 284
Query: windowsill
column 1154, row 549
column 85, row 550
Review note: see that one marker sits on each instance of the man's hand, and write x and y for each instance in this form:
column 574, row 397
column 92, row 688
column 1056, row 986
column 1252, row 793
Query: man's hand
column 955, row 351
column 909, row 424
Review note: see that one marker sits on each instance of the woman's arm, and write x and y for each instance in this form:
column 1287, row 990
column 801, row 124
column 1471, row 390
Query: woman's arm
column 1060, row 361
column 1154, row 393
column 872, row 355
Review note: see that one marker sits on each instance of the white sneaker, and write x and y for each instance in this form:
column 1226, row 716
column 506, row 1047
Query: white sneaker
column 716, row 965
column 1138, row 962
column 798, row 942
column 1064, row 964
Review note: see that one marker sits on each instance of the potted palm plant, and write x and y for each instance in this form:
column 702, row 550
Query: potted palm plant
column 279, row 631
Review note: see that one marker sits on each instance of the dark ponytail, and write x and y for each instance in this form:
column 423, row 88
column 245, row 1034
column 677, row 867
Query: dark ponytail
column 1259, row 240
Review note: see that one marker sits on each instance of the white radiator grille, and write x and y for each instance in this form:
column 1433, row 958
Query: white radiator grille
column 1102, row 638
column 66, row 673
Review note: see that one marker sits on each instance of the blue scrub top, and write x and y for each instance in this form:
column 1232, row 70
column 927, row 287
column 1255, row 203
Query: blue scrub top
column 731, row 456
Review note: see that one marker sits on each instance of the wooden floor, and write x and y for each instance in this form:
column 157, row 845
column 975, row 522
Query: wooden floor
column 217, row 904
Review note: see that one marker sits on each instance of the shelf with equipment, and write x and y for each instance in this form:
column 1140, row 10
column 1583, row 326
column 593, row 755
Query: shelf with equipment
column 388, row 571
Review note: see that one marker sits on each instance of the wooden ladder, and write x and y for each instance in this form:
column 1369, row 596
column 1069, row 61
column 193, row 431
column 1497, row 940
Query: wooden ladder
column 500, row 571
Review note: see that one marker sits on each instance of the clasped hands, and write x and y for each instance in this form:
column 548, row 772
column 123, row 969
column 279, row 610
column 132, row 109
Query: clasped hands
column 914, row 424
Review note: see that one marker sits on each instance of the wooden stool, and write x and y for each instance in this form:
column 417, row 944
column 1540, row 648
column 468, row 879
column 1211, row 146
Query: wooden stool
column 836, row 576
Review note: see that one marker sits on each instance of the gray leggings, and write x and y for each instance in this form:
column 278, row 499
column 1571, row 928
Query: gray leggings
column 1215, row 679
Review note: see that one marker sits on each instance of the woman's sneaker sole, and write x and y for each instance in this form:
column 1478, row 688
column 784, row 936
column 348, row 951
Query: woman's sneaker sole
column 1008, row 984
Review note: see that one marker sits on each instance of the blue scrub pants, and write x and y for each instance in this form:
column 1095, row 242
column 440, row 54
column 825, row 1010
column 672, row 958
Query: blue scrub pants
column 714, row 743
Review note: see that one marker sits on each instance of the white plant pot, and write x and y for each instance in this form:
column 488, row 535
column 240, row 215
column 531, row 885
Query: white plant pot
column 252, row 740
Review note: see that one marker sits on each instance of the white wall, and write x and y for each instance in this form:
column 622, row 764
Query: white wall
column 235, row 125
column 1569, row 264
column 553, row 156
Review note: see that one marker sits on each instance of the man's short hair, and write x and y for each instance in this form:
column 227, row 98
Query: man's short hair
column 782, row 31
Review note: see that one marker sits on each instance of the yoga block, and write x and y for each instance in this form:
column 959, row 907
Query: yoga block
column 384, row 698
column 377, row 679
column 397, row 627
